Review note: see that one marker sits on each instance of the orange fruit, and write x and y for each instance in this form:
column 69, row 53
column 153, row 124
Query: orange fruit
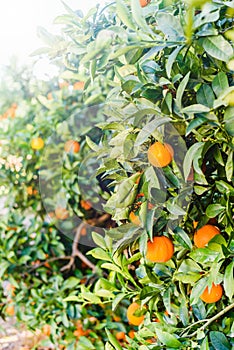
column 85, row 204
column 50, row 96
column 72, row 146
column 213, row 295
column 132, row 319
column 170, row 149
column 160, row 250
column 131, row 334
column 63, row 84
column 144, row 3
column 37, row 143
column 10, row 310
column 79, row 332
column 30, row 190
column 116, row 318
column 61, row 213
column 46, row 330
column 120, row 336
column 159, row 155
column 204, row 235
column 79, row 85
column 134, row 218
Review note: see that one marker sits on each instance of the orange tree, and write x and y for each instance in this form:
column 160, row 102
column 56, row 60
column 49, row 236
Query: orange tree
column 38, row 265
column 158, row 98
column 165, row 75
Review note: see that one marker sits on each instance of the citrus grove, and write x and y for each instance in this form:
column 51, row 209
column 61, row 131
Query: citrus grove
column 116, row 229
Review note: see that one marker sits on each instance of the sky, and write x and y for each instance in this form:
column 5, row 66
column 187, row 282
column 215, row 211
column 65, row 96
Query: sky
column 19, row 21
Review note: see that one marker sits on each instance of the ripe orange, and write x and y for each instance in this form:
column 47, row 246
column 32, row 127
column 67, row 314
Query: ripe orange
column 79, row 85
column 37, row 143
column 160, row 250
column 134, row 218
column 170, row 149
column 79, row 332
column 30, row 190
column 72, row 146
column 85, row 204
column 132, row 319
column 214, row 295
column 63, row 84
column 46, row 330
column 10, row 310
column 131, row 334
column 116, row 318
column 144, row 3
column 159, row 155
column 120, row 336
column 61, row 213
column 204, row 235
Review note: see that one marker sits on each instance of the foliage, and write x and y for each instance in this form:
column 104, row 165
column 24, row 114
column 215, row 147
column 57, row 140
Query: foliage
column 159, row 73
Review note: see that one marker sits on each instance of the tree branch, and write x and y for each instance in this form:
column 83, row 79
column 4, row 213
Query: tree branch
column 209, row 321
column 77, row 253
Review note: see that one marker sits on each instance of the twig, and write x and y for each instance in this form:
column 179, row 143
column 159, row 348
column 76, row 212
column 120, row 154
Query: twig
column 65, row 257
column 212, row 319
column 77, row 253
column 99, row 220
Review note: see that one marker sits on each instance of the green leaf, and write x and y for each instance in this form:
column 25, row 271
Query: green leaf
column 124, row 14
column 99, row 253
column 73, row 298
column 113, row 340
column 205, row 96
column 170, row 26
column 174, row 208
column 220, row 83
column 117, row 300
column 189, row 157
column 99, row 240
column 181, row 89
column 205, row 344
column 219, row 341
column 149, row 128
column 197, row 290
column 168, row 339
column 205, row 255
column 184, row 238
column 229, row 166
column 183, row 312
column 196, row 108
column 137, row 15
column 171, row 59
column 70, row 283
column 91, row 297
column 229, row 280
column 214, row 209
column 195, row 123
column 218, row 47
column 3, row 267
column 111, row 267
